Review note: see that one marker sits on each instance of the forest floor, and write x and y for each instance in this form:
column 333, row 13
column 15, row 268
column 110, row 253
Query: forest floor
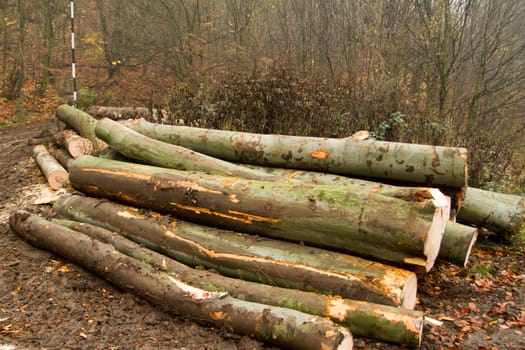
column 47, row 302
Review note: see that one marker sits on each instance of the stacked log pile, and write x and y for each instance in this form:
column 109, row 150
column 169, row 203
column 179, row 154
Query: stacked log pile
column 310, row 240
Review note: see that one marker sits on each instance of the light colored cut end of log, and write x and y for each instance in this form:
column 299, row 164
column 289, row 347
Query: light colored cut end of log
column 348, row 340
column 437, row 228
column 409, row 293
column 57, row 179
column 79, row 146
column 361, row 135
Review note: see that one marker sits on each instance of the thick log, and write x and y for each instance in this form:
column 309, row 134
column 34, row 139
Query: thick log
column 457, row 243
column 354, row 219
column 145, row 149
column 409, row 163
column 501, row 213
column 283, row 327
column 82, row 123
column 380, row 322
column 76, row 145
column 251, row 258
column 55, row 174
column 120, row 113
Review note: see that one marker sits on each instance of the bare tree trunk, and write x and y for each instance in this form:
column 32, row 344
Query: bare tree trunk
column 357, row 220
column 391, row 161
column 251, row 258
column 385, row 323
column 283, row 327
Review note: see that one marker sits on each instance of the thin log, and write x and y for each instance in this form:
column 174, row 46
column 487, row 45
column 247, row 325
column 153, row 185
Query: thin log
column 409, row 163
column 376, row 321
column 82, row 123
column 457, row 243
column 251, row 258
column 139, row 147
column 63, row 157
column 76, row 145
column 502, row 213
column 282, row 327
column 354, row 219
column 55, row 174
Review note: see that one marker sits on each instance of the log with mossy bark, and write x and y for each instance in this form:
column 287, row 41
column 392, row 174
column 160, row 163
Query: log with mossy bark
column 120, row 113
column 249, row 257
column 457, row 243
column 54, row 173
column 82, row 123
column 75, row 144
column 400, row 162
column 147, row 150
column 354, row 219
column 501, row 213
column 136, row 146
column 376, row 321
column 282, row 327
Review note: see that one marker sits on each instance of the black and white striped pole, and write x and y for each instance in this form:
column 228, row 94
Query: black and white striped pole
column 73, row 66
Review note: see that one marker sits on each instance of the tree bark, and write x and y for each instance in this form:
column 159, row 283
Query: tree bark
column 251, row 258
column 354, row 219
column 63, row 157
column 145, row 149
column 82, row 123
column 55, row 174
column 502, row 213
column 408, row 163
column 76, row 145
column 457, row 243
column 122, row 113
column 283, row 327
column 376, row 321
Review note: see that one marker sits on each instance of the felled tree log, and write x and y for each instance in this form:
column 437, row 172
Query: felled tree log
column 76, row 145
column 385, row 323
column 55, row 174
column 145, row 149
column 82, row 123
column 256, row 259
column 283, row 327
column 353, row 219
column 457, row 243
column 501, row 213
column 119, row 113
column 412, row 163
column 63, row 157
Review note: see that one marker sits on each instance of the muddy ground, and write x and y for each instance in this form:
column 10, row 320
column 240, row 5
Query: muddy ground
column 48, row 303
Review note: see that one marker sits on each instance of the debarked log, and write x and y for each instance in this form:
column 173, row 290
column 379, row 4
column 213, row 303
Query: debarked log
column 253, row 258
column 410, row 163
column 76, row 145
column 376, row 321
column 55, row 174
column 502, row 213
column 352, row 219
column 283, row 327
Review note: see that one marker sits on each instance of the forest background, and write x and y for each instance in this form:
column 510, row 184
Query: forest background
column 437, row 72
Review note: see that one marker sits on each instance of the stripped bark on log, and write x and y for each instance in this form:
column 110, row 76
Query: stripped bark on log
column 376, row 321
column 252, row 258
column 502, row 213
column 55, row 174
column 283, row 327
column 409, row 163
column 356, row 220
column 76, row 145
